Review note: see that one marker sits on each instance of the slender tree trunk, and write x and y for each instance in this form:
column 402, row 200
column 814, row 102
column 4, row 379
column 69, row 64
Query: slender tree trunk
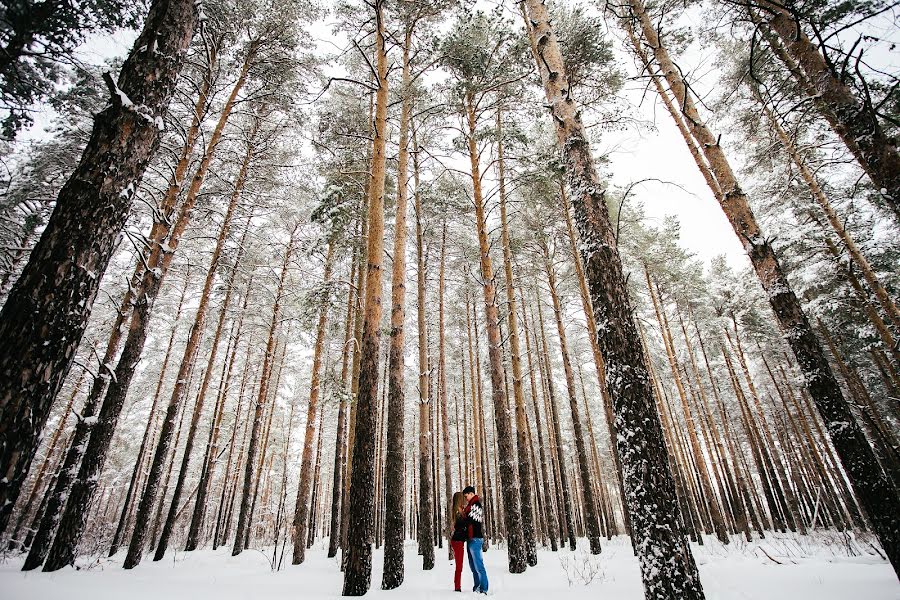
column 552, row 526
column 210, row 456
column 525, row 478
column 301, row 510
column 46, row 312
column 509, row 478
column 426, row 489
column 148, row 499
column 442, row 388
column 556, row 435
column 587, row 491
column 243, row 524
column 148, row 430
column 667, row 566
column 887, row 303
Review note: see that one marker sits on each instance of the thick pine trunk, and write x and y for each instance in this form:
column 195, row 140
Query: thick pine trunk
column 667, row 566
column 46, row 312
column 360, row 500
column 396, row 446
column 599, row 362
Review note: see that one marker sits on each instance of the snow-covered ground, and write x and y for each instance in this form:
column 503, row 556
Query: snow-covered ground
column 824, row 568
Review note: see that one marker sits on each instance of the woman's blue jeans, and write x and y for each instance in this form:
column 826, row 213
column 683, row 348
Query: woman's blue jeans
column 476, row 563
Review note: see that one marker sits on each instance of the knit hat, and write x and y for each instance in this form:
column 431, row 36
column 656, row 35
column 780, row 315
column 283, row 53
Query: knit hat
column 469, row 490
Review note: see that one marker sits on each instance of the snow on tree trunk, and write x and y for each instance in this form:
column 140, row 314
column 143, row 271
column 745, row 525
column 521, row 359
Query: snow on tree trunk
column 46, row 312
column 667, row 565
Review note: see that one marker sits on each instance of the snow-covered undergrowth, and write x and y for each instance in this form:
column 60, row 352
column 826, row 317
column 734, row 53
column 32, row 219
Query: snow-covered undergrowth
column 824, row 567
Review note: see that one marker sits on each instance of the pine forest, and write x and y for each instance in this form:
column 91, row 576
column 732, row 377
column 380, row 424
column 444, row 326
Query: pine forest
column 524, row 298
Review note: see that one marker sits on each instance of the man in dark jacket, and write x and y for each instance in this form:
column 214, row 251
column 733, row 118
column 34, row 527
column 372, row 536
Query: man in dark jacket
column 474, row 513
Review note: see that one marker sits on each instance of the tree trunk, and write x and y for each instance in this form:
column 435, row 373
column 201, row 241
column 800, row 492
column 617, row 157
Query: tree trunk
column 396, row 445
column 301, row 510
column 887, row 303
column 854, row 120
column 667, row 566
column 587, row 489
column 210, row 456
column 426, row 489
column 550, row 511
column 509, row 479
column 243, row 524
column 599, row 362
column 358, row 567
column 151, row 419
column 46, row 312
column 525, row 478
column 556, row 435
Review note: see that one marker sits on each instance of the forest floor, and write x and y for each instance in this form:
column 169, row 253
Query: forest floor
column 781, row 567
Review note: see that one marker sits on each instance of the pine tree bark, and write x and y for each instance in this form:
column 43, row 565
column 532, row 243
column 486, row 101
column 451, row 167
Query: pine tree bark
column 667, row 566
column 587, row 489
column 45, row 315
column 261, row 405
column 358, row 567
column 854, row 120
column 525, row 478
column 396, row 446
column 867, row 477
column 599, row 362
column 509, row 479
column 301, row 510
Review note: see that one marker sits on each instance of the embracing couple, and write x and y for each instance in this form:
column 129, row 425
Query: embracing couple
column 468, row 536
